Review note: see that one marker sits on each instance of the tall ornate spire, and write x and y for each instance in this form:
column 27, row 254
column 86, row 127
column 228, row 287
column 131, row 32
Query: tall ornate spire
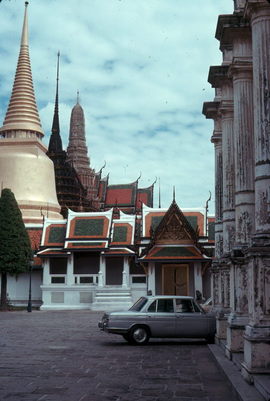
column 77, row 149
column 55, row 144
column 22, row 113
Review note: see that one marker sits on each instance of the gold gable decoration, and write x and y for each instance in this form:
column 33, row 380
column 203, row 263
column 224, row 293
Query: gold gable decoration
column 174, row 230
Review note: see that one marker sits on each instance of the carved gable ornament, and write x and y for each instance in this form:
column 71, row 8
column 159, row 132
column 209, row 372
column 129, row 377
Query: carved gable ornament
column 174, row 227
column 174, row 230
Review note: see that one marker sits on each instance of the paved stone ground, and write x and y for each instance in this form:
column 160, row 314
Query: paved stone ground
column 62, row 356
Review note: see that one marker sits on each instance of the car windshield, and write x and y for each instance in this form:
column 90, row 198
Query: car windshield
column 139, row 304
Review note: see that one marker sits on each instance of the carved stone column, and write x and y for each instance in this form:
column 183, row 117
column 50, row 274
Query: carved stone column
column 211, row 110
column 234, row 30
column 257, row 334
column 218, row 77
column 259, row 12
column 226, row 109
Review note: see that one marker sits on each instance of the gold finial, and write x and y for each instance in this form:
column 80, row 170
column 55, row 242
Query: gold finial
column 57, row 74
column 24, row 38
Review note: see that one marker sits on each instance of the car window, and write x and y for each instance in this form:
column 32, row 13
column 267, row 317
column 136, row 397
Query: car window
column 165, row 305
column 184, row 306
column 153, row 307
column 139, row 304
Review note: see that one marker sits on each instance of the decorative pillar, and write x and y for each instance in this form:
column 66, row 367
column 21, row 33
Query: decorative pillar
column 151, row 278
column 218, row 77
column 70, row 270
column 257, row 333
column 211, row 110
column 46, row 273
column 102, row 271
column 198, row 277
column 226, row 110
column 125, row 273
column 234, row 30
column 260, row 22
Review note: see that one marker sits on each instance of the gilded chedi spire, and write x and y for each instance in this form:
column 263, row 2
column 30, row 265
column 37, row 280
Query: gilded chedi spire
column 24, row 166
column 22, row 113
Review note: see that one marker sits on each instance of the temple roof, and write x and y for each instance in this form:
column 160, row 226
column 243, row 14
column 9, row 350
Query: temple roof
column 123, row 230
column 145, row 196
column 174, row 253
column 22, row 112
column 55, row 144
column 153, row 216
column 89, row 225
column 172, row 238
column 35, row 234
column 77, row 152
column 121, row 195
column 54, row 233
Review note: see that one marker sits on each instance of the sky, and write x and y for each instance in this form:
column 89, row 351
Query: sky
column 141, row 69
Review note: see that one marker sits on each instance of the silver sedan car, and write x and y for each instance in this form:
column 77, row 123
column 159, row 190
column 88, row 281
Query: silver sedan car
column 161, row 317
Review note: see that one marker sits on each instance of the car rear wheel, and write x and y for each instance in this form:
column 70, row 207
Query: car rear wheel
column 210, row 339
column 139, row 335
column 126, row 337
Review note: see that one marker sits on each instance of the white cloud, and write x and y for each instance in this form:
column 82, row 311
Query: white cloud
column 141, row 68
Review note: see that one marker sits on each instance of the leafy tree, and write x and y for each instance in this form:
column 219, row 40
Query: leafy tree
column 15, row 247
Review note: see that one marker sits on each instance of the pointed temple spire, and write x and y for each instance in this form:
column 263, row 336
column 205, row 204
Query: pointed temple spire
column 55, row 144
column 77, row 148
column 22, row 113
column 159, row 195
column 173, row 194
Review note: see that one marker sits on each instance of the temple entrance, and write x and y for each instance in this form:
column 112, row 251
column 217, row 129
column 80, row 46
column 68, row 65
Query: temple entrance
column 114, row 268
column 175, row 279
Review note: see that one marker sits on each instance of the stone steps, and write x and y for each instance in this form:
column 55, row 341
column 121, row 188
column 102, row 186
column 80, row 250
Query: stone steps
column 109, row 299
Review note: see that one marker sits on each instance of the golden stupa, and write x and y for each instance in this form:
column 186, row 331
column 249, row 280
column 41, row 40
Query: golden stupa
column 24, row 166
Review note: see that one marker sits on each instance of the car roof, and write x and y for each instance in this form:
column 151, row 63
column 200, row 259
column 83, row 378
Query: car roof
column 169, row 297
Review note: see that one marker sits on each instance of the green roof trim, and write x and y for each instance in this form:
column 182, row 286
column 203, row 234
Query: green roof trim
column 120, row 234
column 89, row 227
column 57, row 235
column 90, row 244
column 174, row 251
column 155, row 221
column 193, row 221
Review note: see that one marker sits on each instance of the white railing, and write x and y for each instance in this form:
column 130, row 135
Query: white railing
column 58, row 279
column 86, row 279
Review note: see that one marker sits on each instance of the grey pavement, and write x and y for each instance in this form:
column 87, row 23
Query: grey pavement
column 62, row 356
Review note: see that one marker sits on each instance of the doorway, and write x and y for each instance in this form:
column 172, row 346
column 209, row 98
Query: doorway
column 175, row 279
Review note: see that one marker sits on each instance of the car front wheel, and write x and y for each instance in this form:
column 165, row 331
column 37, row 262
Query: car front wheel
column 139, row 335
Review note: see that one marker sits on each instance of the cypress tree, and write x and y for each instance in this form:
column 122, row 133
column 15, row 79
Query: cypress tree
column 15, row 247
